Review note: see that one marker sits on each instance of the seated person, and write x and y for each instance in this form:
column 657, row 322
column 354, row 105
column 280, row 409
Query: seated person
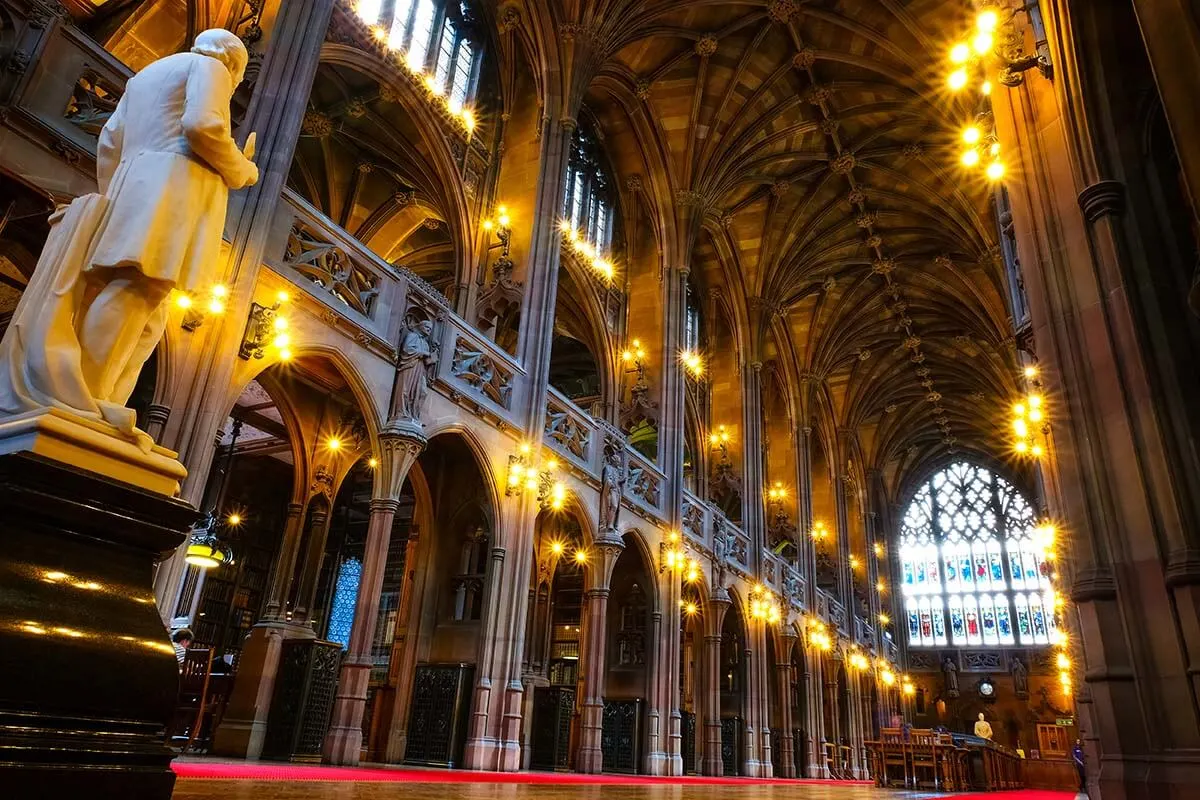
column 182, row 639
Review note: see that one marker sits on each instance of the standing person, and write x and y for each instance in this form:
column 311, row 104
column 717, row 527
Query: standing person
column 1080, row 767
column 182, row 639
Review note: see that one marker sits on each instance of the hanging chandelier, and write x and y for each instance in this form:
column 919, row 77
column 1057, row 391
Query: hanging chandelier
column 205, row 549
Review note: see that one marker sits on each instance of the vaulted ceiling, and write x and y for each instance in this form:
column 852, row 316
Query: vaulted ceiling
column 816, row 139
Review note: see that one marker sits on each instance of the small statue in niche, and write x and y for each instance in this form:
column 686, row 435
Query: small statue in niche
column 417, row 355
column 951, row 674
column 1020, row 678
column 612, row 488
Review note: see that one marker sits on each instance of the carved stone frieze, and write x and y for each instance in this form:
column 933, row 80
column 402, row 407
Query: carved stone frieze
column 329, row 267
column 482, row 373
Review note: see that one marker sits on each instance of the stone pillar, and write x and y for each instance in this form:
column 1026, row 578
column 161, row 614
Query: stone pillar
column 753, row 499
column 783, row 689
column 482, row 740
column 285, row 564
column 714, row 619
column 757, row 760
column 314, row 557
column 276, row 110
column 400, row 444
column 842, row 513
column 601, row 561
column 814, row 683
column 804, row 507
column 663, row 720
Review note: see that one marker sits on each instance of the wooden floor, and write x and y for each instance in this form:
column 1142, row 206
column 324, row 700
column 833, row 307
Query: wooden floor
column 192, row 789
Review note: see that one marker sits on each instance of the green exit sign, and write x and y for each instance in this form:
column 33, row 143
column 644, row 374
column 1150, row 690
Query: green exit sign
column 1065, row 722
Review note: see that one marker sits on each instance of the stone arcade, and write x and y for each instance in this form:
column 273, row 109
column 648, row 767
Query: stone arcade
column 647, row 387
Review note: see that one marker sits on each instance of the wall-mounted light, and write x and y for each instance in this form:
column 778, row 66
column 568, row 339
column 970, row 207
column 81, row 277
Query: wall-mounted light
column 819, row 532
column 764, row 606
column 719, row 440
column 196, row 309
column 693, row 364
column 266, row 329
column 587, row 252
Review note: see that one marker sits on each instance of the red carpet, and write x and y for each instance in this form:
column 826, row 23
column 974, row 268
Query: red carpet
column 247, row 771
column 1019, row 794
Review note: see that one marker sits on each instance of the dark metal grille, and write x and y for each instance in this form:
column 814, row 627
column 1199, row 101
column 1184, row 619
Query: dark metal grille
column 553, row 708
column 731, row 745
column 437, row 719
column 688, row 744
column 304, row 693
column 776, row 750
column 621, row 734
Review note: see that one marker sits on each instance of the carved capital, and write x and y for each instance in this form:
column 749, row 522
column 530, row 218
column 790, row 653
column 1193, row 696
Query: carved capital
column 1095, row 583
column 1183, row 567
column 706, row 45
column 400, row 443
column 1102, row 199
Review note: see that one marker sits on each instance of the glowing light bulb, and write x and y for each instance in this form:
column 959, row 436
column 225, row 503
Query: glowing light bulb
column 960, row 53
column 994, row 150
column 995, row 170
column 487, row 225
column 372, row 462
column 1035, row 401
column 285, row 355
column 220, row 291
column 580, row 557
column 234, row 519
column 1020, row 427
column 280, row 323
column 971, row 134
column 982, row 43
column 690, row 609
column 183, row 300
column 987, row 20
column 985, row 88
column 556, row 548
column 1022, row 447
column 503, row 220
column 282, row 341
column 970, row 158
column 1036, row 451
column 468, row 118
column 958, row 79
column 215, row 306
column 1031, row 371
column 333, row 443
column 524, row 448
column 281, row 296
column 1035, row 415
column 1019, row 409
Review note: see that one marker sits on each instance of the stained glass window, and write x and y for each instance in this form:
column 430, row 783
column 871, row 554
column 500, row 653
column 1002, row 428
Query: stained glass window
column 345, row 596
column 971, row 569
column 588, row 200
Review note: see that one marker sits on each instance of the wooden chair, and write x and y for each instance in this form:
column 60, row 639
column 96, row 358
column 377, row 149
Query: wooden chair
column 194, row 676
column 923, row 757
column 893, row 756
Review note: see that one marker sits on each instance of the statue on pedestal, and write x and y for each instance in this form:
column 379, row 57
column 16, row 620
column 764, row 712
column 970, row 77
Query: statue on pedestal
column 951, row 672
column 417, row 355
column 1020, row 678
column 983, row 728
column 612, row 488
column 97, row 304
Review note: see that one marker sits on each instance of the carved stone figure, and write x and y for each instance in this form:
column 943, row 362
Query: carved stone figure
column 412, row 382
column 983, row 728
column 1020, row 678
column 951, row 672
column 612, row 487
column 96, row 307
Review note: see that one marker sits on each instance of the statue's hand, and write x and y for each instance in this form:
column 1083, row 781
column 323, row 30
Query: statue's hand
column 251, row 176
column 251, row 142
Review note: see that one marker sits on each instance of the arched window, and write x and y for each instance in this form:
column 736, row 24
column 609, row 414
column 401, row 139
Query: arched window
column 587, row 194
column 972, row 572
column 435, row 39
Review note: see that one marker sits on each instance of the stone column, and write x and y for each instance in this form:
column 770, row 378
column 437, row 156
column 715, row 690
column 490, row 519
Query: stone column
column 400, row 444
column 663, row 720
column 600, row 565
column 276, row 110
column 804, row 489
column 753, row 500
column 842, row 513
column 314, row 557
column 783, row 688
column 814, row 683
column 285, row 564
column 714, row 619
column 756, row 696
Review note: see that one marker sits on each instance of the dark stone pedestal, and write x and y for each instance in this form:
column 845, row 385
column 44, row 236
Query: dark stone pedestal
column 88, row 676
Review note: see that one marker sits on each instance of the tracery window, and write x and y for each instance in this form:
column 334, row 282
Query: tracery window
column 434, row 35
column 587, row 194
column 345, row 597
column 972, row 572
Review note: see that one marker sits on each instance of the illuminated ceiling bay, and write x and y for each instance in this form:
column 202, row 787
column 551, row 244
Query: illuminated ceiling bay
column 813, row 146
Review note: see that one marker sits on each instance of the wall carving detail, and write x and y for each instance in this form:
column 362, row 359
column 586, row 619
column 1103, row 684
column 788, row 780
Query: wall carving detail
column 480, row 371
column 328, row 266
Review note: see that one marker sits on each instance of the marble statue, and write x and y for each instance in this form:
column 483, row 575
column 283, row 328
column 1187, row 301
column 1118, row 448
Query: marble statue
column 1020, row 678
column 412, row 381
column 612, row 487
column 96, row 306
column 982, row 728
column 951, row 673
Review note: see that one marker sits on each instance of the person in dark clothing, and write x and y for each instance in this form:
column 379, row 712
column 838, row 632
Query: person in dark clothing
column 182, row 639
column 1077, row 757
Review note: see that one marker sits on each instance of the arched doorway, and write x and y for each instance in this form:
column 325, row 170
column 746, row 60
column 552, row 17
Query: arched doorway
column 627, row 657
column 733, row 678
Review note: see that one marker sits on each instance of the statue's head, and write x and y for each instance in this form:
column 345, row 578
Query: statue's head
column 981, row 716
column 226, row 48
column 425, row 326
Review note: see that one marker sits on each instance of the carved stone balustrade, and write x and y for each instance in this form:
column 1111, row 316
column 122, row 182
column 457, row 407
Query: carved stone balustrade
column 570, row 432
column 644, row 484
column 695, row 521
